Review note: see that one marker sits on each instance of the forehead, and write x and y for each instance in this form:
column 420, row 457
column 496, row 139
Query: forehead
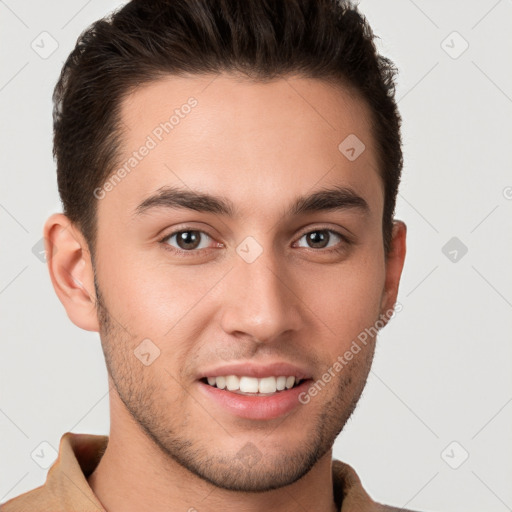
column 232, row 136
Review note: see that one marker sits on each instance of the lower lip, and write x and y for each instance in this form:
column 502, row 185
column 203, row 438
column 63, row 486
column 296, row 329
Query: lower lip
column 256, row 407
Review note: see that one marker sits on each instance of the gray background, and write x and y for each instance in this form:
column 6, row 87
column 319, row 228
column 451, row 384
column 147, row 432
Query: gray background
column 442, row 372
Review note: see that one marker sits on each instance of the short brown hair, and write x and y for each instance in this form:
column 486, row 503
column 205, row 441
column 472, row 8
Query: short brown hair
column 263, row 39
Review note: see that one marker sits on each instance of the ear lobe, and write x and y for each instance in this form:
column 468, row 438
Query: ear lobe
column 394, row 265
column 70, row 267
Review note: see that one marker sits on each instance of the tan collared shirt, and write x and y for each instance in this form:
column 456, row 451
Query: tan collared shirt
column 66, row 488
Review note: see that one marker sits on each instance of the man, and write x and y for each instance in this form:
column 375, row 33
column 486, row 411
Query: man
column 228, row 172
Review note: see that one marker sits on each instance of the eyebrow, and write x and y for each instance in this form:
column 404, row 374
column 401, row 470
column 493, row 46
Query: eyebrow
column 328, row 199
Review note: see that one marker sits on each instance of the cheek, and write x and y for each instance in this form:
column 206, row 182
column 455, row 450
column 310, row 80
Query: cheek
column 346, row 299
column 152, row 297
column 157, row 300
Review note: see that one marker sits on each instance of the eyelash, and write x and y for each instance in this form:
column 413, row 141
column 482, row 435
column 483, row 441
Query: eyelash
column 194, row 252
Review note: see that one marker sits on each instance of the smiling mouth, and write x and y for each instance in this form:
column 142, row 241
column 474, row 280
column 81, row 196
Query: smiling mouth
column 252, row 386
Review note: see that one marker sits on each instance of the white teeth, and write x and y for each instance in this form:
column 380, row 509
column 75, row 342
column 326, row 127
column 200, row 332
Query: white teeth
column 290, row 381
column 232, row 383
column 249, row 384
column 244, row 384
column 267, row 385
column 220, row 382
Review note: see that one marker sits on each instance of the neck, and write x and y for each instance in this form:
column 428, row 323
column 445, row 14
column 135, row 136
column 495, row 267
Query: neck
column 134, row 474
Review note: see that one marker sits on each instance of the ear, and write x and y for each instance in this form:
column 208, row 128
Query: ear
column 394, row 265
column 70, row 266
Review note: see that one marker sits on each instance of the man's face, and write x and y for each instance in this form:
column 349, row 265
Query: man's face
column 261, row 291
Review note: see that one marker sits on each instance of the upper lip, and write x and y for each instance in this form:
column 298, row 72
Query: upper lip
column 251, row 369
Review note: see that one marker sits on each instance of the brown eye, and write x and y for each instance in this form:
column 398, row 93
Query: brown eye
column 321, row 238
column 188, row 240
column 317, row 239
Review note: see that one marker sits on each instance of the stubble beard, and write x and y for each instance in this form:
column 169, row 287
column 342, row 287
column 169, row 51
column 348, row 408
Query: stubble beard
column 263, row 470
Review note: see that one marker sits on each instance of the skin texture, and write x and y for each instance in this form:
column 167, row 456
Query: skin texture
column 260, row 146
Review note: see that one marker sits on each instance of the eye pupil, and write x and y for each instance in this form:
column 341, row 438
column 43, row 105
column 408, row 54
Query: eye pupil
column 318, row 237
column 188, row 239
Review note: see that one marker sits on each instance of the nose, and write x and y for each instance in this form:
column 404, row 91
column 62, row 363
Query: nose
column 261, row 302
